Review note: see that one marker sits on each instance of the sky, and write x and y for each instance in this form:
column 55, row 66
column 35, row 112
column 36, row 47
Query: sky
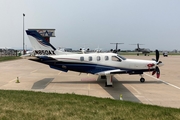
column 93, row 23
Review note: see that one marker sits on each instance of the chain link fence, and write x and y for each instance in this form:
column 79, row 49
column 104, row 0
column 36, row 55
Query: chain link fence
column 9, row 52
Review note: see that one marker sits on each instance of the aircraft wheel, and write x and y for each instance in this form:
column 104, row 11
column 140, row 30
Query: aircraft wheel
column 142, row 80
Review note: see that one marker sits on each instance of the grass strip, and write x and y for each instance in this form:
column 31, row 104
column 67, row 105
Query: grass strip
column 28, row 105
column 7, row 58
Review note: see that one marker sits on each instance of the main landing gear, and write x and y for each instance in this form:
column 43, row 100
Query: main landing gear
column 108, row 79
column 142, row 78
column 109, row 82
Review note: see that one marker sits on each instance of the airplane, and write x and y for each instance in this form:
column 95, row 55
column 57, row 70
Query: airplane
column 116, row 50
column 98, row 49
column 105, row 65
column 144, row 51
column 84, row 50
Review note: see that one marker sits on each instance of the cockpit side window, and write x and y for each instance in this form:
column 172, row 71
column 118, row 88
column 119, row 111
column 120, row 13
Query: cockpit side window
column 115, row 58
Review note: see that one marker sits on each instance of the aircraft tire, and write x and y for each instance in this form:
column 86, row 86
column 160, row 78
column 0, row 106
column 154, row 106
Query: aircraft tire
column 142, row 80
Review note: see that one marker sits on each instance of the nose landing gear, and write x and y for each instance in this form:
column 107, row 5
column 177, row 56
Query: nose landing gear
column 142, row 78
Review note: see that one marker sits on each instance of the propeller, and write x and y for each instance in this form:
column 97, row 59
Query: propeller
column 157, row 70
column 157, row 55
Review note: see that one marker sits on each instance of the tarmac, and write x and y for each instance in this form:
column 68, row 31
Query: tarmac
column 35, row 76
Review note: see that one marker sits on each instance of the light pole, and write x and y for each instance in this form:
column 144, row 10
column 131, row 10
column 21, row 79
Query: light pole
column 23, row 34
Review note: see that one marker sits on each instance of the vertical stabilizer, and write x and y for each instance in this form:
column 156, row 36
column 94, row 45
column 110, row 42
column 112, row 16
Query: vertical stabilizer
column 39, row 44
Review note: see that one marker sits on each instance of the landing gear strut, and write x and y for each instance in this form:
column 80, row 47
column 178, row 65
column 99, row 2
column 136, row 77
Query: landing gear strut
column 142, row 78
column 106, row 85
column 108, row 79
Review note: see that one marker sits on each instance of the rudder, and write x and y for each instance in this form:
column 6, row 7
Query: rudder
column 39, row 44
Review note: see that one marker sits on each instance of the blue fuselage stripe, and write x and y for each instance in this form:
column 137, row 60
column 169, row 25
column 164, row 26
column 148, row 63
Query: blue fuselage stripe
column 88, row 67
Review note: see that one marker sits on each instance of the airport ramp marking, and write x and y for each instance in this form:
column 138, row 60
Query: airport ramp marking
column 88, row 86
column 135, row 89
column 34, row 71
column 119, row 76
column 163, row 81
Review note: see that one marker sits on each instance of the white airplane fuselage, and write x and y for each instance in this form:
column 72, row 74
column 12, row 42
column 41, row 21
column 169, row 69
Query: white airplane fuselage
column 96, row 62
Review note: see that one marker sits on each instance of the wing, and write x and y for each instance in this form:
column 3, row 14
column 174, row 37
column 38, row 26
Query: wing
column 116, row 71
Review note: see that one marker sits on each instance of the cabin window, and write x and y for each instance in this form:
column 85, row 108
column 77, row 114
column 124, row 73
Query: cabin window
column 106, row 58
column 115, row 58
column 81, row 58
column 98, row 58
column 90, row 58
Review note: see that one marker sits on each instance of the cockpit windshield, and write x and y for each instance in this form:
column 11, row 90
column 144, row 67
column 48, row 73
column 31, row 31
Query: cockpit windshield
column 123, row 58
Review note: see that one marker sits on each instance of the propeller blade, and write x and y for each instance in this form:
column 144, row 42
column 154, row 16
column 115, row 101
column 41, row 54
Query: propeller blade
column 154, row 72
column 159, row 63
column 157, row 72
column 157, row 55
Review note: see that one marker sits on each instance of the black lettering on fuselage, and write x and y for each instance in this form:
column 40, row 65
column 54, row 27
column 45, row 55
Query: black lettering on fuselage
column 44, row 52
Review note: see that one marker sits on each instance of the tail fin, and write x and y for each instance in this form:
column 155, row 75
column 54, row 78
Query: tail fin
column 39, row 44
column 138, row 45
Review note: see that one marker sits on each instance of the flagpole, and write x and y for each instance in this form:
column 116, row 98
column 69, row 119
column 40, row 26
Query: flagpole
column 23, row 34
